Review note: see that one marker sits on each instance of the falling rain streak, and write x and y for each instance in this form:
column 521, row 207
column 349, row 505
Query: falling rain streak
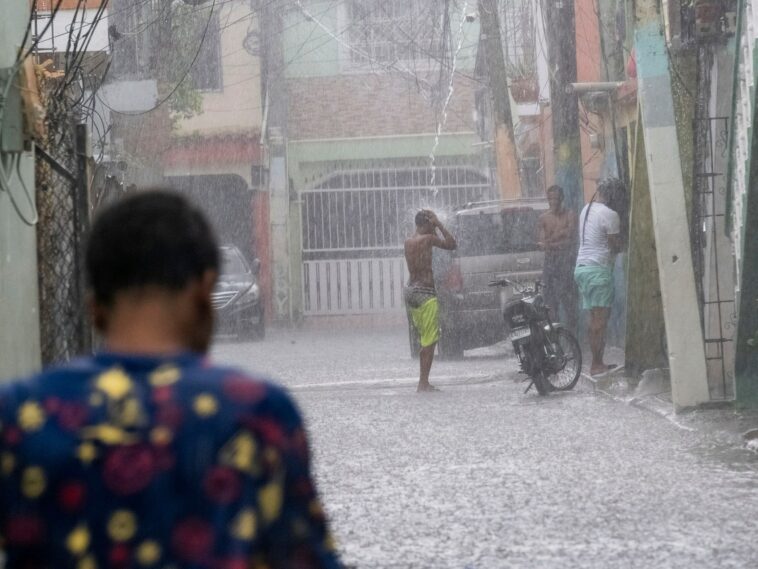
column 442, row 115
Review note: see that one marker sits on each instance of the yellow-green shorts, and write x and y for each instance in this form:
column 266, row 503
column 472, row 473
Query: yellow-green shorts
column 426, row 320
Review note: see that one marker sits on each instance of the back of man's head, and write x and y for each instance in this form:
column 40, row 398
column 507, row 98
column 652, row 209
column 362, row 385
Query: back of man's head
column 612, row 190
column 153, row 238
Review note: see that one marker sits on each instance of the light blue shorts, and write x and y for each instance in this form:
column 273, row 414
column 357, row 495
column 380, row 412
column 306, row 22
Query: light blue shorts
column 595, row 284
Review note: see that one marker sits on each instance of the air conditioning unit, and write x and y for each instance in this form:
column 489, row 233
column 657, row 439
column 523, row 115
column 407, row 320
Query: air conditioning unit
column 597, row 141
column 708, row 18
column 596, row 102
column 730, row 23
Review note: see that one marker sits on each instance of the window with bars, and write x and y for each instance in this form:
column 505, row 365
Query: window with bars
column 131, row 45
column 394, row 30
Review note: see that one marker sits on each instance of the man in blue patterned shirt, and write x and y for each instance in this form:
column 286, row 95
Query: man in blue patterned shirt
column 145, row 455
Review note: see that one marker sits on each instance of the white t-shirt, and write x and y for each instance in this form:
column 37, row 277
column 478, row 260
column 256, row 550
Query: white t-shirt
column 593, row 236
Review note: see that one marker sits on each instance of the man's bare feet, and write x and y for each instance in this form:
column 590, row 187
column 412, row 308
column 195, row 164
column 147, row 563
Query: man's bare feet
column 426, row 388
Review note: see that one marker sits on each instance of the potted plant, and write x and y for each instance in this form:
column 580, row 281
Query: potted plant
column 522, row 79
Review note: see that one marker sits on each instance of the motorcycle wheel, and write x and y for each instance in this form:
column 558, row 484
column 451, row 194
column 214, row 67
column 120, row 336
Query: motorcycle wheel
column 567, row 377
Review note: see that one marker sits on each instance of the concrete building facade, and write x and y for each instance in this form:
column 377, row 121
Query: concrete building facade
column 19, row 303
column 376, row 128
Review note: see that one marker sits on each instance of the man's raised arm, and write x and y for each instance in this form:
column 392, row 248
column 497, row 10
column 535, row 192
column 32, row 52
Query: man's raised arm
column 448, row 241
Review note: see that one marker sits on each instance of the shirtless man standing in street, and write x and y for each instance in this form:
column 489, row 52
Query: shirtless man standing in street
column 558, row 239
column 420, row 294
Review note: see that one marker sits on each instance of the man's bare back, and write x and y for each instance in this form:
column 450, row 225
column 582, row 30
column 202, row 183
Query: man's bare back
column 418, row 250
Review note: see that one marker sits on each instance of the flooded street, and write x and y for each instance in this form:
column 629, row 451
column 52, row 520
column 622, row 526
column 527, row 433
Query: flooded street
column 483, row 476
column 278, row 183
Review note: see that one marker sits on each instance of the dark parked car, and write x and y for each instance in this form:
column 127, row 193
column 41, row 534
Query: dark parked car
column 237, row 297
column 495, row 240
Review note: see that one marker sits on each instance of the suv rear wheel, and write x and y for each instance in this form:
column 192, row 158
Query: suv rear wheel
column 451, row 345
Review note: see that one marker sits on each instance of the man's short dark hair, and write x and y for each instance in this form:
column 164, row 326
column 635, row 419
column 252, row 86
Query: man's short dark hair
column 556, row 188
column 421, row 218
column 154, row 237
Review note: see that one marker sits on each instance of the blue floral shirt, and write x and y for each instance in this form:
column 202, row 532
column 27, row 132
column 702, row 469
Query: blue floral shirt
column 124, row 461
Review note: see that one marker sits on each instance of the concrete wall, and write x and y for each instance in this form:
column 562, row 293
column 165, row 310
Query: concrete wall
column 19, row 305
column 744, row 112
column 744, row 208
column 358, row 106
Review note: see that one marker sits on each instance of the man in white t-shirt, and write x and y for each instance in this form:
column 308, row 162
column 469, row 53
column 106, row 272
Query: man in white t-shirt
column 599, row 242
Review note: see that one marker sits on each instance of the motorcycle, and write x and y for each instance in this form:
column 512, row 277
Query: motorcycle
column 548, row 353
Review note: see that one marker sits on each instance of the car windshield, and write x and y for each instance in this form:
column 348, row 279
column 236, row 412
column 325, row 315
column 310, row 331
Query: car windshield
column 508, row 231
column 232, row 262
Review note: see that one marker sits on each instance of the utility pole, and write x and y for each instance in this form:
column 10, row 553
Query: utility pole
column 506, row 155
column 564, row 103
column 275, row 136
column 684, row 332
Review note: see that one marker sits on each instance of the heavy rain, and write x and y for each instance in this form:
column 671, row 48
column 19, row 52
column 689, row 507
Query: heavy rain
column 378, row 284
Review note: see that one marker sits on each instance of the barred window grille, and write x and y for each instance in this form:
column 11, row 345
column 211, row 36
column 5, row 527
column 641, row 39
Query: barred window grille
column 394, row 30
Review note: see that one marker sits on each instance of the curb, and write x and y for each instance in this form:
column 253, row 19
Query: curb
column 724, row 423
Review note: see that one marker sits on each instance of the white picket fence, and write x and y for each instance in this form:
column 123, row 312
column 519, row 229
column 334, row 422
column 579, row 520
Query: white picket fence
column 354, row 286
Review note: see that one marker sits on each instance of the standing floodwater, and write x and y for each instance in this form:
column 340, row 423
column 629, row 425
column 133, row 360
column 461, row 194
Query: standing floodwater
column 483, row 476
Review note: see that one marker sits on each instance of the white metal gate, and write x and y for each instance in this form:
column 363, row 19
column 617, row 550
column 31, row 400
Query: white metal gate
column 354, row 286
column 355, row 221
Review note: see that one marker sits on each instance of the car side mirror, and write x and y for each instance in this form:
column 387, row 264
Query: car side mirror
column 256, row 267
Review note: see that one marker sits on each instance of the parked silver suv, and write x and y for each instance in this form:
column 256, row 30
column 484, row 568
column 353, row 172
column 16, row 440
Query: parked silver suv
column 495, row 239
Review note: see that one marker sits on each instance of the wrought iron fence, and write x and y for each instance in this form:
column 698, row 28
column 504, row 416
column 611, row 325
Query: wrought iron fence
column 62, row 203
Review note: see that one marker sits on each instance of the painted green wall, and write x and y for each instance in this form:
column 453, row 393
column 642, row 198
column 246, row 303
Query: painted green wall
column 19, row 304
column 377, row 148
column 310, row 50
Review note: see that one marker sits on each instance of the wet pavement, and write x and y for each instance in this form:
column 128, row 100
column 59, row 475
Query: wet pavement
column 482, row 475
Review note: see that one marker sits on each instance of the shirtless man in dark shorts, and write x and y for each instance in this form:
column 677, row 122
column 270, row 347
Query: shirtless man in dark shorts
column 420, row 294
column 557, row 237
